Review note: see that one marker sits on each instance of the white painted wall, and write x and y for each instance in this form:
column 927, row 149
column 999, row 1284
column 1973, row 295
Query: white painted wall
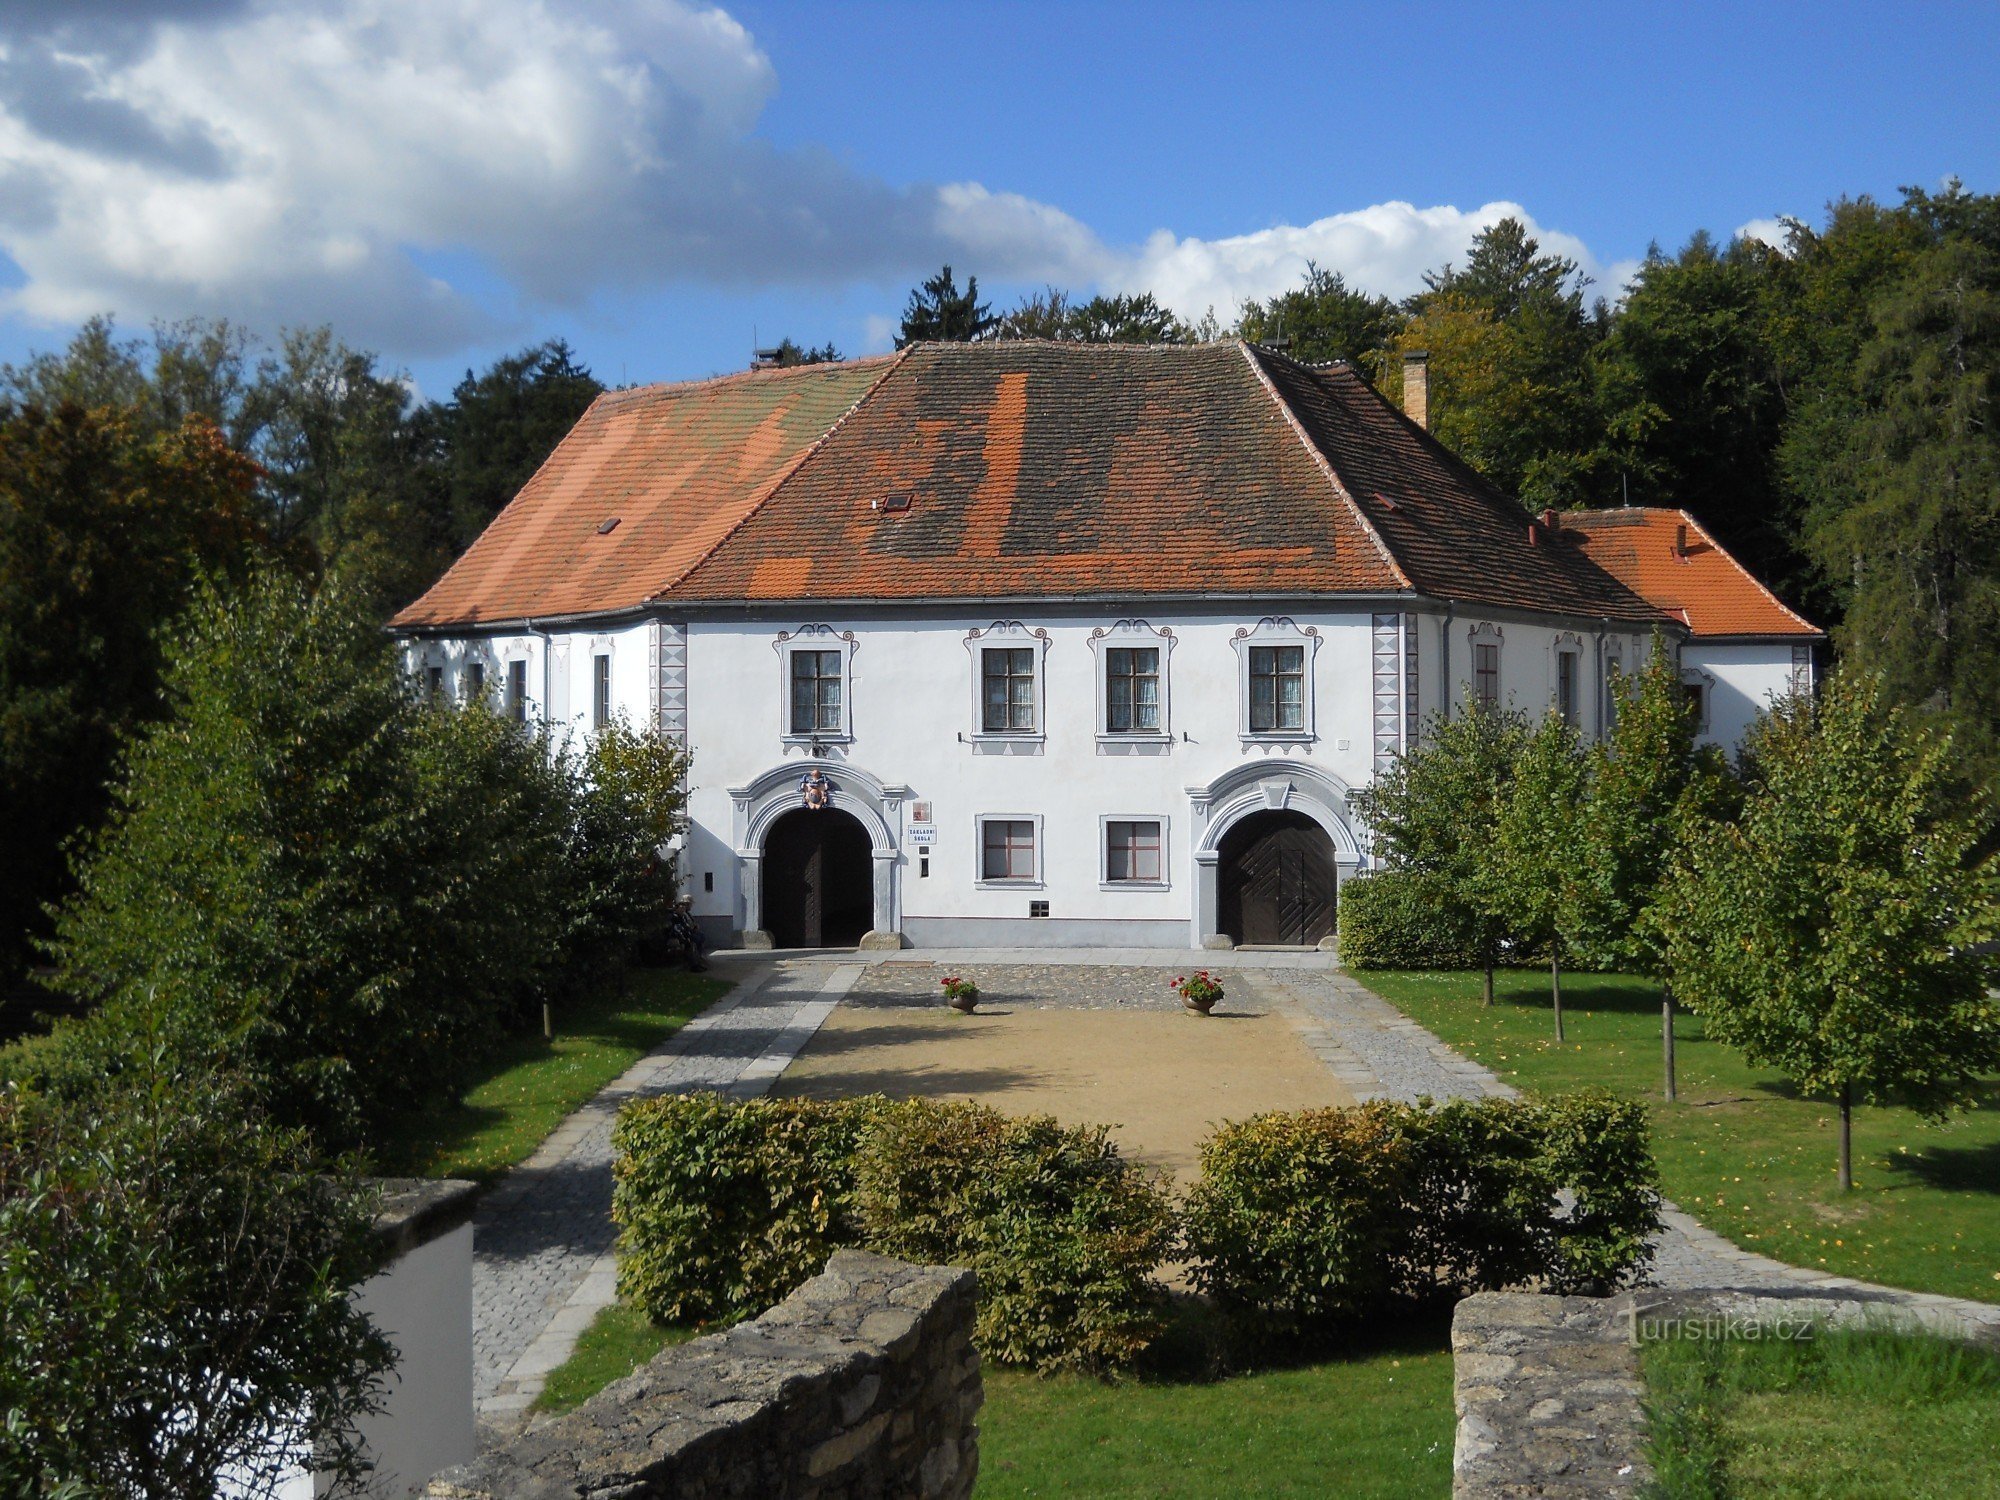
column 911, row 694
column 1743, row 680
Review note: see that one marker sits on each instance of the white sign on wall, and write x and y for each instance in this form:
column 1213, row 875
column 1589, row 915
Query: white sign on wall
column 923, row 835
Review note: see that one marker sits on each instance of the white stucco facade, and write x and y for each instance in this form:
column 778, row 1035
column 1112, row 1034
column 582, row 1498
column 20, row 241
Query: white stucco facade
column 910, row 739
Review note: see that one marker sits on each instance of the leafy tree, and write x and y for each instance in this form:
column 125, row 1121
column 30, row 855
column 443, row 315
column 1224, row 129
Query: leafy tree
column 174, row 1278
column 1436, row 807
column 1045, row 314
column 1126, row 318
column 938, row 312
column 1530, row 872
column 104, row 530
column 1323, row 319
column 1833, row 930
column 309, row 877
column 1507, row 274
column 498, row 427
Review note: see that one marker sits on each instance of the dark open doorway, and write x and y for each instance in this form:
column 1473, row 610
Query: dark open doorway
column 819, row 879
column 1276, row 880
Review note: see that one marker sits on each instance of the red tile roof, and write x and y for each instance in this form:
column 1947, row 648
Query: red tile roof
column 676, row 466
column 1666, row 557
column 1010, row 469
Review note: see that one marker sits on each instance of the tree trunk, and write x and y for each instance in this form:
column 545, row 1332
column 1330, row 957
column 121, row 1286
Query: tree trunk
column 1846, row 1138
column 1556, row 989
column 1489, row 985
column 1667, row 1038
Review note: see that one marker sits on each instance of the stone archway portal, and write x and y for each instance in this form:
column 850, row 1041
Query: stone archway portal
column 1277, row 881
column 818, row 879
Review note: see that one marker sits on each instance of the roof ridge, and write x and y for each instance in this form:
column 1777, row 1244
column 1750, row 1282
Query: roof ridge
column 1250, row 354
column 743, row 377
column 890, row 364
column 1762, row 587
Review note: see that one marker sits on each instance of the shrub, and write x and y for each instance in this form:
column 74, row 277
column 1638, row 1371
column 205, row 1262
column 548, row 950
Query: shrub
column 1310, row 1218
column 174, row 1278
column 726, row 1207
column 1298, row 1216
column 1064, row 1232
column 1407, row 919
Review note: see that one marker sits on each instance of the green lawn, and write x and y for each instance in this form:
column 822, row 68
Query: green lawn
column 1376, row 1424
column 1843, row 1416
column 1740, row 1150
column 524, row 1091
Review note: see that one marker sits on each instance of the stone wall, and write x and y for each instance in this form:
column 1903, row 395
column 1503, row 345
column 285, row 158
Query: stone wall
column 862, row 1383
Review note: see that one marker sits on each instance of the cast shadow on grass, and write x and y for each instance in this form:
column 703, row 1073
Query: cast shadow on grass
column 1952, row 1169
column 1204, row 1343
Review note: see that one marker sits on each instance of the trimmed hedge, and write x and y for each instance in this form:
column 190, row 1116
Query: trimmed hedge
column 1406, row 919
column 1064, row 1232
column 1302, row 1220
column 727, row 1207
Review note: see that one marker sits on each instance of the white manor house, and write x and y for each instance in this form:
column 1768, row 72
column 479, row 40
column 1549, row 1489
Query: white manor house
column 1089, row 644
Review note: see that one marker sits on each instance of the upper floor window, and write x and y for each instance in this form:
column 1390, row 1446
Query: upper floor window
column 817, row 706
column 1566, row 686
column 517, row 690
column 600, row 690
column 1276, row 671
column 1009, row 687
column 1614, row 686
column 475, row 682
column 1277, row 688
column 1132, row 690
column 434, row 681
column 1007, row 676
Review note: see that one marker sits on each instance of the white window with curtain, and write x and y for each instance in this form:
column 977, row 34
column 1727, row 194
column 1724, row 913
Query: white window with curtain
column 1275, row 676
column 1133, row 687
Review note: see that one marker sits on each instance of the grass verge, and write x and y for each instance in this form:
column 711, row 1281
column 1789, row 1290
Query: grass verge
column 1741, row 1150
column 1379, row 1417
column 526, row 1089
column 1856, row 1414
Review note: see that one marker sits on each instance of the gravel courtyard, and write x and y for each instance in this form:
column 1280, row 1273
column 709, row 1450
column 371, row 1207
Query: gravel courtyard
column 1087, row 1045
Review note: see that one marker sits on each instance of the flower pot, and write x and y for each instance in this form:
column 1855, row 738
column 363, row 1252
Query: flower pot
column 1200, row 1007
column 963, row 1003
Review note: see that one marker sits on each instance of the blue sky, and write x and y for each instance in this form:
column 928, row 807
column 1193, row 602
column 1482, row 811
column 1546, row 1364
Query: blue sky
column 659, row 182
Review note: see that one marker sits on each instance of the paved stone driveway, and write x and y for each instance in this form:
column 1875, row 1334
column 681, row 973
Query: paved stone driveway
column 541, row 1256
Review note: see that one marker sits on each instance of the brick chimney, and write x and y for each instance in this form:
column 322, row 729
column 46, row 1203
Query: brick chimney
column 1417, row 387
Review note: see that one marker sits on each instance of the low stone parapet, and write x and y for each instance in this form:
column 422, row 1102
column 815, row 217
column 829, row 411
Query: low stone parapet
column 863, row 1382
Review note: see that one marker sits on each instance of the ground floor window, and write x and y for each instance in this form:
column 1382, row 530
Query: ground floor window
column 1132, row 852
column 1007, row 849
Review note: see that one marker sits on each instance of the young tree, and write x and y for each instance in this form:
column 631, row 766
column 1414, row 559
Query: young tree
column 1434, row 810
column 1833, row 930
column 1530, row 873
column 174, row 1279
column 938, row 312
column 1639, row 778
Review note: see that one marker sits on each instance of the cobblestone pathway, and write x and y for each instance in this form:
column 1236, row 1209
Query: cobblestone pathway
column 542, row 1240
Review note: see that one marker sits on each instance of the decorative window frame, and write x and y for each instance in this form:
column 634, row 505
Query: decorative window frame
column 1104, row 880
column 604, row 646
column 816, row 638
column 1567, row 643
column 1696, row 677
column 1121, row 636
column 979, row 878
column 1486, row 633
column 1277, row 630
column 1002, row 635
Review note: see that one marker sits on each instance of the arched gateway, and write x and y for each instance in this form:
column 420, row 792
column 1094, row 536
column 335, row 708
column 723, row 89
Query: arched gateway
column 819, row 880
column 1276, row 879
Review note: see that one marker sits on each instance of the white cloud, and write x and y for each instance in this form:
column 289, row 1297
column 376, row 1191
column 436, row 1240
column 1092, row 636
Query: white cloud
column 1771, row 231
column 304, row 161
column 1385, row 249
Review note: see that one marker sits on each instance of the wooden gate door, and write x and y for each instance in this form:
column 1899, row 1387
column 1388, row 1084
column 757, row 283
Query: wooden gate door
column 818, row 879
column 1276, row 881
